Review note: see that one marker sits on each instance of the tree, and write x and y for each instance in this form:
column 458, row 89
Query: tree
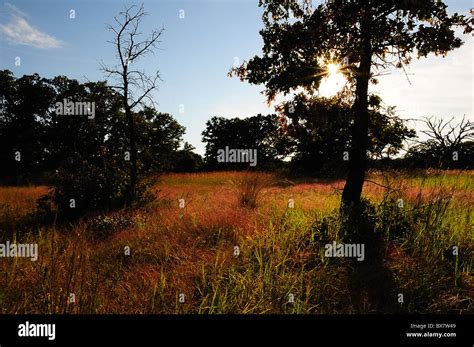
column 159, row 137
column 82, row 157
column 364, row 37
column 134, row 85
column 448, row 136
column 87, row 173
column 262, row 133
column 449, row 145
column 186, row 160
column 24, row 114
column 320, row 129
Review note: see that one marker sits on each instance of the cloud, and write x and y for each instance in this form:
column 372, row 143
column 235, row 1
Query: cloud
column 13, row 9
column 19, row 31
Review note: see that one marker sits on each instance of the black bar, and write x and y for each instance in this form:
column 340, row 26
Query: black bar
column 296, row 330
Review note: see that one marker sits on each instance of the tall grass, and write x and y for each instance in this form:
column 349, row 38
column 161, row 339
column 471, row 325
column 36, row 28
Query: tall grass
column 249, row 187
column 280, row 266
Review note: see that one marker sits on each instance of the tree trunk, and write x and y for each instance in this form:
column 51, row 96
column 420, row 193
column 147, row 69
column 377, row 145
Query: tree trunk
column 133, row 157
column 358, row 154
column 132, row 189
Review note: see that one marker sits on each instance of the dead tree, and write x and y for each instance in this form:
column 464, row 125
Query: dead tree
column 447, row 136
column 135, row 86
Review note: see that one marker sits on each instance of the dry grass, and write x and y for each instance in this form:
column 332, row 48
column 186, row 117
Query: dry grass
column 16, row 203
column 190, row 250
column 249, row 187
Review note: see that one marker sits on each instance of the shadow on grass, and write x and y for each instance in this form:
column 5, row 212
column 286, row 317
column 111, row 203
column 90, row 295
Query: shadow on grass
column 371, row 284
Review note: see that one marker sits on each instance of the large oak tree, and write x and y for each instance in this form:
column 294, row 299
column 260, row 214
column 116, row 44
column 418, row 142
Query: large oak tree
column 367, row 36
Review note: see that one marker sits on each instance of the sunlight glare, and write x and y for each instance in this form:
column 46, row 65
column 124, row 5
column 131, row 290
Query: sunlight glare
column 333, row 69
column 333, row 82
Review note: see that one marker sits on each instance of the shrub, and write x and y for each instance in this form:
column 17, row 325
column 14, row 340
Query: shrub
column 326, row 229
column 393, row 220
column 86, row 189
column 351, row 225
column 146, row 194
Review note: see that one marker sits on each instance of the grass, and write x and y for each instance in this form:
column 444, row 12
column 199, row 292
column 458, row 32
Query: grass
column 16, row 203
column 279, row 265
column 249, row 187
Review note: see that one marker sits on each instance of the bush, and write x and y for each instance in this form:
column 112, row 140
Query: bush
column 352, row 225
column 91, row 188
column 145, row 193
column 392, row 220
column 326, row 229
column 88, row 189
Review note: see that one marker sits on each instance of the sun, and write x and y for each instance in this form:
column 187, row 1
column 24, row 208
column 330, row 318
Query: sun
column 333, row 69
column 333, row 82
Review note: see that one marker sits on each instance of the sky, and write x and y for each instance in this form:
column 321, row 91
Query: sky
column 201, row 42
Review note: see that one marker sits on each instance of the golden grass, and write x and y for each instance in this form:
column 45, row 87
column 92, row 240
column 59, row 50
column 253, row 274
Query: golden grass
column 22, row 199
column 178, row 250
column 16, row 203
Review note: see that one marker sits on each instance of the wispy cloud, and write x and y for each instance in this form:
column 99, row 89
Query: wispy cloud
column 19, row 31
column 15, row 10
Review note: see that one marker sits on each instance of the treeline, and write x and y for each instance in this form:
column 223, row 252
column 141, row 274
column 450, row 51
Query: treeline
column 72, row 136
column 44, row 143
column 37, row 141
column 312, row 136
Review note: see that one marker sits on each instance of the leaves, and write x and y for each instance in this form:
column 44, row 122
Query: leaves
column 396, row 30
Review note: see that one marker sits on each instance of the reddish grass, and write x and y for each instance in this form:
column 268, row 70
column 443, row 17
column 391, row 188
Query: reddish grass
column 176, row 242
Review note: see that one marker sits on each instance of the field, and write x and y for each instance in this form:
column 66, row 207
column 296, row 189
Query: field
column 219, row 250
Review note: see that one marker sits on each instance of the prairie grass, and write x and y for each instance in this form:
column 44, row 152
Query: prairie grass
column 250, row 186
column 16, row 205
column 227, row 258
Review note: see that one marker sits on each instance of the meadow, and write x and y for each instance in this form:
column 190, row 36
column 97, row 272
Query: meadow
column 251, row 243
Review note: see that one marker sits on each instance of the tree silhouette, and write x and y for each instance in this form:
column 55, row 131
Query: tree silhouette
column 449, row 145
column 364, row 37
column 321, row 130
column 134, row 85
column 82, row 158
column 262, row 133
column 447, row 135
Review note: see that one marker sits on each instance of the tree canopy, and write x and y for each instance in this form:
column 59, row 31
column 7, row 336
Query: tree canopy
column 261, row 132
column 364, row 37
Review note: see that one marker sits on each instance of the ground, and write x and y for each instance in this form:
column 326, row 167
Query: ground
column 228, row 258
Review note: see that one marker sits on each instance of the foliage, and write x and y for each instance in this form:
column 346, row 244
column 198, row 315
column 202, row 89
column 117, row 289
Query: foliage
column 185, row 160
column 262, row 133
column 83, row 157
column 295, row 52
column 320, row 129
column 364, row 37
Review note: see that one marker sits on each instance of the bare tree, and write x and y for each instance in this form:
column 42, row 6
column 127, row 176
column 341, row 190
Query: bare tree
column 134, row 85
column 446, row 135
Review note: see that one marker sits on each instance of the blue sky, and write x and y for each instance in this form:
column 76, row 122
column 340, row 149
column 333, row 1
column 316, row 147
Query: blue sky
column 196, row 53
